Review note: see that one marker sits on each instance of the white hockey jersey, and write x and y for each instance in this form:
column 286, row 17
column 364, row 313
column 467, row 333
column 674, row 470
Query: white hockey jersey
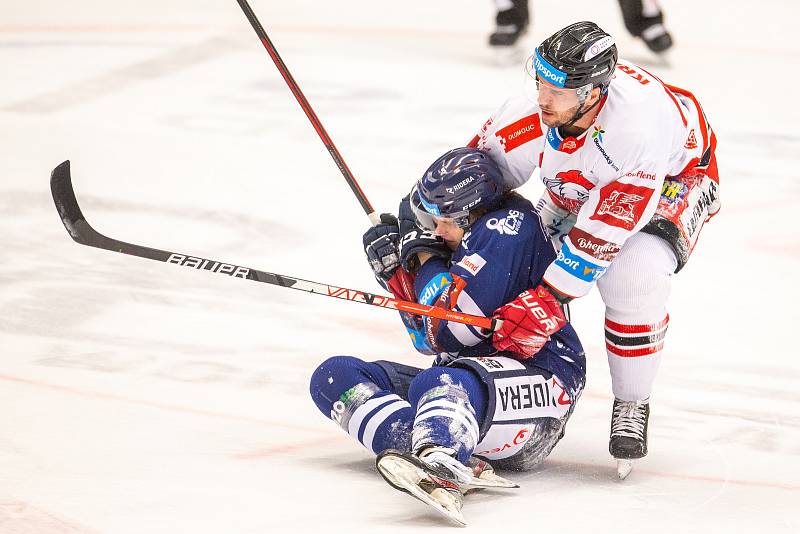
column 611, row 176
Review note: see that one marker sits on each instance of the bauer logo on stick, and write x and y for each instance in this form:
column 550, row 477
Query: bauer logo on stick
column 209, row 265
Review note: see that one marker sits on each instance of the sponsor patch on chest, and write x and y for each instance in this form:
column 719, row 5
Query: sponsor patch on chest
column 472, row 263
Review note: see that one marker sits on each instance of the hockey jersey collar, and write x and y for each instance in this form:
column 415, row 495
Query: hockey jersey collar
column 570, row 145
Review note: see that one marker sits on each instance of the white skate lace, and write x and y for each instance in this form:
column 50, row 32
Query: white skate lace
column 628, row 419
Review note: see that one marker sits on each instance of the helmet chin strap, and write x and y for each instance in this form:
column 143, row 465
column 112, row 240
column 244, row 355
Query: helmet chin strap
column 580, row 114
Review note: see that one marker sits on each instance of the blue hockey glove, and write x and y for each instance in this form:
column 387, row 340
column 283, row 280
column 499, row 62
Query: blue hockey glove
column 414, row 240
column 382, row 246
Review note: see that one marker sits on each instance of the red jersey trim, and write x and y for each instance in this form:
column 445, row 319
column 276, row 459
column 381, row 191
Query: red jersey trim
column 633, row 353
column 637, row 328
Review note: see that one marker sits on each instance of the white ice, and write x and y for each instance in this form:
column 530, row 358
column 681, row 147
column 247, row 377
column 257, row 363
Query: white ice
column 138, row 397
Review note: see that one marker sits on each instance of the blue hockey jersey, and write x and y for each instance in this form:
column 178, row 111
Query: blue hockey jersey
column 502, row 254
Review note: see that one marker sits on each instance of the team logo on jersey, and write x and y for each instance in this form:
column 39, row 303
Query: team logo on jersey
column 691, row 142
column 622, row 205
column 520, row 132
column 593, row 246
column 508, row 225
column 598, row 133
column 569, row 145
column 571, row 187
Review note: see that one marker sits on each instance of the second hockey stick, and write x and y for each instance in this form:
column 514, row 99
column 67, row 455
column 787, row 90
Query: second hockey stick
column 309, row 111
column 81, row 232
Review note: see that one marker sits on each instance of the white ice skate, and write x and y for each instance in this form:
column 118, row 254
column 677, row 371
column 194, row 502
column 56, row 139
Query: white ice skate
column 437, row 479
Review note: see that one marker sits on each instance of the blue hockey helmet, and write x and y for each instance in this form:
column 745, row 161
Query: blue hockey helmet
column 461, row 180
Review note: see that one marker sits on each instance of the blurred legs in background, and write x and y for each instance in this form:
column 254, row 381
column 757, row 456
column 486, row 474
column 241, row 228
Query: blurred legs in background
column 512, row 22
column 643, row 19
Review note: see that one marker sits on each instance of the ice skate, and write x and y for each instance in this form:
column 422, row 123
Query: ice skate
column 657, row 38
column 507, row 35
column 437, row 479
column 486, row 477
column 628, row 440
column 505, row 40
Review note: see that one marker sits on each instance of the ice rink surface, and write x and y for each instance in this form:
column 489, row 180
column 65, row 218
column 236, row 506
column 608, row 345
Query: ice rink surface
column 142, row 398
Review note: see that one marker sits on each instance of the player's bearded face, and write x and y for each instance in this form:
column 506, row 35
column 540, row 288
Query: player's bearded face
column 554, row 119
column 558, row 105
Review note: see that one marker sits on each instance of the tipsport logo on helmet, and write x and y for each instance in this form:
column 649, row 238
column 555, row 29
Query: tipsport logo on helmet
column 433, row 209
column 547, row 71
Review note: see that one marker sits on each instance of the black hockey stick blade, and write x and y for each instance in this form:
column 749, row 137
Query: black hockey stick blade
column 67, row 205
column 80, row 231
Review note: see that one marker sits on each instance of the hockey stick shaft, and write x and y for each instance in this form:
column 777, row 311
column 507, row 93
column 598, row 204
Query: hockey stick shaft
column 81, row 232
column 404, row 277
column 309, row 111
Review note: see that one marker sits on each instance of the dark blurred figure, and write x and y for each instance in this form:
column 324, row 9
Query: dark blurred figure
column 643, row 19
column 512, row 22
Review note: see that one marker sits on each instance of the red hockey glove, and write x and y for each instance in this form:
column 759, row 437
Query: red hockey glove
column 528, row 322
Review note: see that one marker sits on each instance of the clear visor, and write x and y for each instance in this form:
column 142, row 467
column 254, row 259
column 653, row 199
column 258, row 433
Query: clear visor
column 551, row 98
column 427, row 215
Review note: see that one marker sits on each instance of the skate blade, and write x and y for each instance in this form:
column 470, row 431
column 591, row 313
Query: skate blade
column 624, row 468
column 405, row 476
column 492, row 482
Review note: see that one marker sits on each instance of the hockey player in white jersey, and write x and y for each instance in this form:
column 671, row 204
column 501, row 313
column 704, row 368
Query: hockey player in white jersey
column 631, row 177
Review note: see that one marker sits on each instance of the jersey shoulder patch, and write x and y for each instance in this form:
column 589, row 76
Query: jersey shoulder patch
column 516, row 123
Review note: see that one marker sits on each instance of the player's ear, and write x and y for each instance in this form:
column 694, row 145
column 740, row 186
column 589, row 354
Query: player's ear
column 594, row 96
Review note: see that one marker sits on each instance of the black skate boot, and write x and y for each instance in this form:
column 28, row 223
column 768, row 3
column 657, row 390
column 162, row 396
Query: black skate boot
column 646, row 21
column 657, row 38
column 511, row 25
column 438, row 479
column 628, row 439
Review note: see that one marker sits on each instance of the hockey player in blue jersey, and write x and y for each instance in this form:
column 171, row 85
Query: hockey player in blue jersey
column 471, row 247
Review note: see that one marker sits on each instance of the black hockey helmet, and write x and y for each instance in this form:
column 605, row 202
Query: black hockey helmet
column 580, row 55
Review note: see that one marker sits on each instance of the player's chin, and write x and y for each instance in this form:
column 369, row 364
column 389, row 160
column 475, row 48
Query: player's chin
column 452, row 244
column 550, row 119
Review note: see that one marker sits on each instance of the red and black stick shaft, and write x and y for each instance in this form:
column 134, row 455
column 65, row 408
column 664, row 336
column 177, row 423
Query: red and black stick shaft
column 82, row 232
column 309, row 111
